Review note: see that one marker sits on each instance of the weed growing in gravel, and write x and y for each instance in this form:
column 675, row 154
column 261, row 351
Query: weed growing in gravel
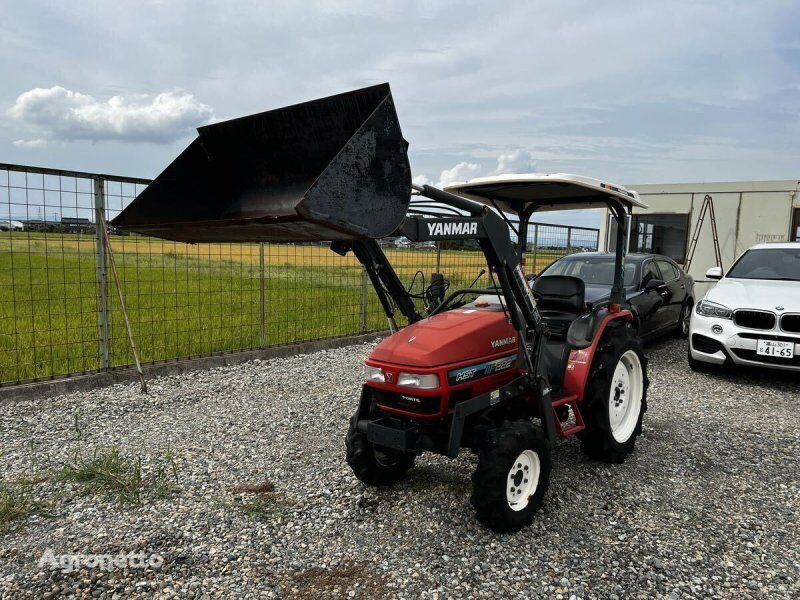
column 76, row 424
column 347, row 578
column 16, row 500
column 110, row 472
column 15, row 504
column 166, row 476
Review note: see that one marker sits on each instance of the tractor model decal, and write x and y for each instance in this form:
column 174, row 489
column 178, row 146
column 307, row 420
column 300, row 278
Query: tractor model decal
column 473, row 372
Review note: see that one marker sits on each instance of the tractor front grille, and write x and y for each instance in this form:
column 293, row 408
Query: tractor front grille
column 423, row 405
column 754, row 319
column 705, row 344
column 791, row 323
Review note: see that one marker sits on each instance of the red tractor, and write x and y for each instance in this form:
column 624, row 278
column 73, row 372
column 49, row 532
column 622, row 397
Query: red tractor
column 508, row 371
column 502, row 370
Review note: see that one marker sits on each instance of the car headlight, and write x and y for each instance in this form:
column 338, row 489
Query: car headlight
column 707, row 308
column 421, row 382
column 374, row 374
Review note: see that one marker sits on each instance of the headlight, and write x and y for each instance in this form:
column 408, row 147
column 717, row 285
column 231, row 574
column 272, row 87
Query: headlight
column 374, row 374
column 707, row 308
column 421, row 382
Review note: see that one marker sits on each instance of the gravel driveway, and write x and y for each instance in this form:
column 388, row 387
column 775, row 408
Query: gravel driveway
column 264, row 504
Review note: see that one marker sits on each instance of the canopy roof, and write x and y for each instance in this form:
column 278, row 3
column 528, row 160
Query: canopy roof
column 557, row 191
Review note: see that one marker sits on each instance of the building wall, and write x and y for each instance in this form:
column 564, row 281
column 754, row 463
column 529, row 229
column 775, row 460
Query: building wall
column 747, row 213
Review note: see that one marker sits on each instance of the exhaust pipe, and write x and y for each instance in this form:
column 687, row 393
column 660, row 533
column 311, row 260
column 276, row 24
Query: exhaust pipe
column 330, row 169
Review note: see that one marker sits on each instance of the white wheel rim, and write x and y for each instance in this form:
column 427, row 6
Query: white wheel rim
column 522, row 480
column 625, row 396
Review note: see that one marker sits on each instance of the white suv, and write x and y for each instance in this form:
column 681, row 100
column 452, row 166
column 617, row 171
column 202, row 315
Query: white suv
column 752, row 316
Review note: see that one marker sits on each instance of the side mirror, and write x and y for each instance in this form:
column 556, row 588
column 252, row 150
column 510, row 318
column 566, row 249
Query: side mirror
column 714, row 273
column 653, row 284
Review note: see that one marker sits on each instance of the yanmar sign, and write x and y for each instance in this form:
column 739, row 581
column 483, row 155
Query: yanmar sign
column 444, row 228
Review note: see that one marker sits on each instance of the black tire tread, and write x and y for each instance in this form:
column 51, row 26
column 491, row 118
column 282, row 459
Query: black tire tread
column 596, row 440
column 361, row 458
column 497, row 448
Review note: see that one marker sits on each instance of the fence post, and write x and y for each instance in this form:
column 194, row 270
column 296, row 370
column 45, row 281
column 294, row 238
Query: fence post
column 262, row 332
column 569, row 239
column 102, row 272
column 535, row 248
column 363, row 315
column 438, row 257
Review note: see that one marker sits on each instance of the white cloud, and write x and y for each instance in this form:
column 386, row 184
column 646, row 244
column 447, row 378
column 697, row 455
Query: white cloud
column 420, row 179
column 463, row 171
column 37, row 143
column 59, row 114
column 516, row 161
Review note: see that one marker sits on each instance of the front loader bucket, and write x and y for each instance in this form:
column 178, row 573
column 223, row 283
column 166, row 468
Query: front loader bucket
column 329, row 169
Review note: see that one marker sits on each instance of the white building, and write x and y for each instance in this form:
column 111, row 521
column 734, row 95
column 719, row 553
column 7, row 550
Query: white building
column 747, row 213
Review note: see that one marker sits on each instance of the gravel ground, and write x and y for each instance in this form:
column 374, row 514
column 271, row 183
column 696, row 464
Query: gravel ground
column 707, row 506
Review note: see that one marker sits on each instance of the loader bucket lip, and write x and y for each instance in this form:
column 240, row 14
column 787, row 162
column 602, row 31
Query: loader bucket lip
column 335, row 168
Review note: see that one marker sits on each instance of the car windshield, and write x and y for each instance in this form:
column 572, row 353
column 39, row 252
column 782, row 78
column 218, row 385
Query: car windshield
column 593, row 271
column 780, row 264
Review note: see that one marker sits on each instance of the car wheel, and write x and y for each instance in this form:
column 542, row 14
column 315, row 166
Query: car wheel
column 682, row 327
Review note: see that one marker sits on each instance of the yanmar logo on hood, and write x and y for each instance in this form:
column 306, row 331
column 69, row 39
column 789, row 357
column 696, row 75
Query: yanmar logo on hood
column 504, row 341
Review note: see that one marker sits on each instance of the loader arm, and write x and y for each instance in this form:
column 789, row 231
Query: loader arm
column 388, row 287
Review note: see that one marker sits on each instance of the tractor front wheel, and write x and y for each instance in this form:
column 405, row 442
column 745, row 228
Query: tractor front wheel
column 616, row 398
column 512, row 476
column 375, row 465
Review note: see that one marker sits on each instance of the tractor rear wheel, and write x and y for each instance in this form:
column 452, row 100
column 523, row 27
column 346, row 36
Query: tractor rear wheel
column 375, row 465
column 616, row 396
column 512, row 476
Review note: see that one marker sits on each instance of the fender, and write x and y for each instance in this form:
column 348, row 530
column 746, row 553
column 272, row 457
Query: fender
column 580, row 360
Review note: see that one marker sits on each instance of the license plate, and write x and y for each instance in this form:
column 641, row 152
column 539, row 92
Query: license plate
column 775, row 348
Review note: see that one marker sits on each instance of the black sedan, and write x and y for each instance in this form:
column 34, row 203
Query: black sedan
column 660, row 294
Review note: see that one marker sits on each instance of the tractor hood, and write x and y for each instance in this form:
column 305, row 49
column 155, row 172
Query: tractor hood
column 458, row 335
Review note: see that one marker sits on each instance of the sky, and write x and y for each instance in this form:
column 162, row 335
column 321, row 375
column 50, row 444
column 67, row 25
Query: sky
column 629, row 92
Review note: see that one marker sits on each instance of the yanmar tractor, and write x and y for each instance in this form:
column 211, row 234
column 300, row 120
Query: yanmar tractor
column 502, row 370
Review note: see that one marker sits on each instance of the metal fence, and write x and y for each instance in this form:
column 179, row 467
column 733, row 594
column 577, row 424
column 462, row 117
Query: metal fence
column 59, row 312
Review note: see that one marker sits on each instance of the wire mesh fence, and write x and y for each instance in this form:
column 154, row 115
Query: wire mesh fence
column 59, row 314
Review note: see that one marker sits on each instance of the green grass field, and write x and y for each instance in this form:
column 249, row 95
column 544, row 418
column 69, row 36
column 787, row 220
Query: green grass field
column 184, row 300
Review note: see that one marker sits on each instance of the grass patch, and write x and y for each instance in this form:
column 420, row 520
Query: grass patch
column 110, row 472
column 338, row 582
column 186, row 300
column 15, row 504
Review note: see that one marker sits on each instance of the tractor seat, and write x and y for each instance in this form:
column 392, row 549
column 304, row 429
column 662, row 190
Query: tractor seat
column 560, row 299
